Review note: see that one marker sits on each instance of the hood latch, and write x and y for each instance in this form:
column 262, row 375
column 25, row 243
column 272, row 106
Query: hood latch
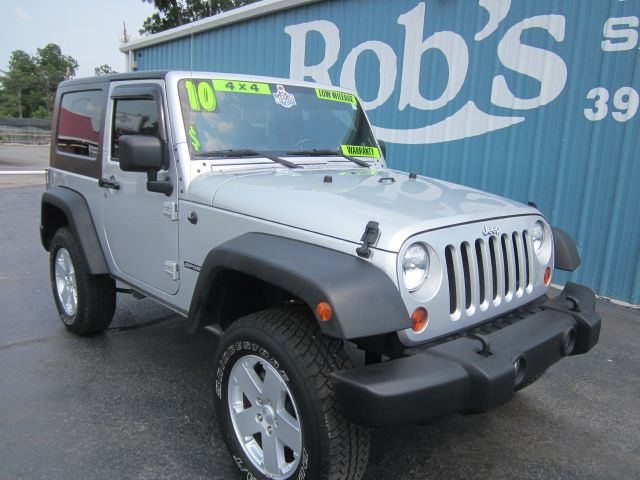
column 369, row 237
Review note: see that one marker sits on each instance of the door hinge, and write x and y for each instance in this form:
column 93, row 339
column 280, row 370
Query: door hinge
column 172, row 269
column 170, row 209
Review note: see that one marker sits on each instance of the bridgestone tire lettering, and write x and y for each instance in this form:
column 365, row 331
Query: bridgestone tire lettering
column 290, row 340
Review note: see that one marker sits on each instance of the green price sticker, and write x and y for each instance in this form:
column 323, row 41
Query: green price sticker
column 241, row 87
column 360, row 151
column 201, row 95
column 195, row 141
column 335, row 96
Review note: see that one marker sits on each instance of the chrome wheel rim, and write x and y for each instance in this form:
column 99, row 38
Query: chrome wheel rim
column 264, row 416
column 66, row 287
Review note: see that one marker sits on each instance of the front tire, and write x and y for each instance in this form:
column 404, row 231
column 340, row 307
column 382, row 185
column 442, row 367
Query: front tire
column 275, row 402
column 85, row 302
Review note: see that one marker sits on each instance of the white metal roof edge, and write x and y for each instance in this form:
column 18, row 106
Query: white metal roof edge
column 236, row 15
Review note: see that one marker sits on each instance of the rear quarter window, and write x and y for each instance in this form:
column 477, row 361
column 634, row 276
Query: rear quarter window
column 79, row 123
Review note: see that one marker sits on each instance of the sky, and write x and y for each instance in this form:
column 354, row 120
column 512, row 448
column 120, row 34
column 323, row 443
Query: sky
column 87, row 30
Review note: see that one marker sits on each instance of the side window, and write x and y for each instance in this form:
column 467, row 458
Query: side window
column 79, row 123
column 134, row 117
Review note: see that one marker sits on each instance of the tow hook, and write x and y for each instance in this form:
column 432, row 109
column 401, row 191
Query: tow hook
column 486, row 346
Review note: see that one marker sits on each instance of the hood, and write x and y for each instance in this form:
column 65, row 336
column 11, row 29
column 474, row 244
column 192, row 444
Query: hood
column 341, row 208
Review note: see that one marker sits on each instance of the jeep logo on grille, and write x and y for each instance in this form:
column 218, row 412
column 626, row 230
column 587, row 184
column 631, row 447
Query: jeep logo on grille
column 495, row 230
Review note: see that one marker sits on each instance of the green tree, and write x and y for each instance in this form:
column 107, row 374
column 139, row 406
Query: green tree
column 104, row 70
column 41, row 112
column 173, row 13
column 18, row 83
column 28, row 87
column 53, row 67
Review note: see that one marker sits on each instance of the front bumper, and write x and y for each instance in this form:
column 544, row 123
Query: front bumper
column 470, row 374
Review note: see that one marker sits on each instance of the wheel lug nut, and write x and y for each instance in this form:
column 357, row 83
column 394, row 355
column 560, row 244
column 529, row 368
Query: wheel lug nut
column 269, row 430
column 259, row 417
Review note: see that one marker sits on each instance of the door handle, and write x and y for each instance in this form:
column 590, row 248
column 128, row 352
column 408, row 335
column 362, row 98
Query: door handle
column 109, row 183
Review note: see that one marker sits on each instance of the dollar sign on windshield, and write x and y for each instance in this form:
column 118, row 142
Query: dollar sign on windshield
column 195, row 141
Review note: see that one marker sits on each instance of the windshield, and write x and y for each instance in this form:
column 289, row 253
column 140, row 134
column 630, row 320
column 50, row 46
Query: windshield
column 238, row 118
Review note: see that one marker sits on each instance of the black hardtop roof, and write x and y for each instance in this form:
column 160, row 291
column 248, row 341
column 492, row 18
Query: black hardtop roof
column 145, row 75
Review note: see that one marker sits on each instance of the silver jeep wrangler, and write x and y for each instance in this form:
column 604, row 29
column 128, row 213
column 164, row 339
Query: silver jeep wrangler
column 345, row 294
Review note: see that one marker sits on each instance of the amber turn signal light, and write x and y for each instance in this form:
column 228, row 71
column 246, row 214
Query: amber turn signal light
column 547, row 275
column 324, row 311
column 419, row 319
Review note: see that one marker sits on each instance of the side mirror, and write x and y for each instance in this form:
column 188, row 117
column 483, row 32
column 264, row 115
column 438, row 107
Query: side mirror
column 144, row 153
column 140, row 153
column 383, row 147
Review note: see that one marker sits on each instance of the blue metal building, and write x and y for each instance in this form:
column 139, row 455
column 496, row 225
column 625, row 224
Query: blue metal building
column 534, row 100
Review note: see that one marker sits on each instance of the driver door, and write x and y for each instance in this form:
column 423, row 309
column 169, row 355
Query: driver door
column 140, row 226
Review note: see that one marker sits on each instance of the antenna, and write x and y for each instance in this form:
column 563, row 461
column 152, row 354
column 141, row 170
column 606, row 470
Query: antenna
column 125, row 35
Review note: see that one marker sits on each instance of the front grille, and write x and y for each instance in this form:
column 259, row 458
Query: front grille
column 488, row 271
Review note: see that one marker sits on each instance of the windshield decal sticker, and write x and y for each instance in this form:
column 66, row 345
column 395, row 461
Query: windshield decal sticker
column 195, row 141
column 360, row 151
column 360, row 172
column 201, row 95
column 241, row 87
column 282, row 97
column 335, row 96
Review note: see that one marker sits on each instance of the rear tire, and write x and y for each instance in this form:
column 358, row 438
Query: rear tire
column 85, row 302
column 283, row 351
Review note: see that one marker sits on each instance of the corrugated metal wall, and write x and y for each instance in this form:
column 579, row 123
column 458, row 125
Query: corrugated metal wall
column 534, row 100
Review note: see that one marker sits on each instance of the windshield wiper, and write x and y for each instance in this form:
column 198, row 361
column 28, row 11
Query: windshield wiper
column 320, row 153
column 228, row 153
column 246, row 153
column 314, row 152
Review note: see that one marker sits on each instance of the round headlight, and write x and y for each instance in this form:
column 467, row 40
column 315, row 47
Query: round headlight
column 537, row 236
column 415, row 266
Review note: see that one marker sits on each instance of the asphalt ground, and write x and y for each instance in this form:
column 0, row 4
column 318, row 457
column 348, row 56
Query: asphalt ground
column 16, row 158
column 23, row 157
column 136, row 401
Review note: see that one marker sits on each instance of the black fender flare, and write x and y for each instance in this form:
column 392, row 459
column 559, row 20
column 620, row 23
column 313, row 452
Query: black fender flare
column 75, row 208
column 566, row 253
column 364, row 300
